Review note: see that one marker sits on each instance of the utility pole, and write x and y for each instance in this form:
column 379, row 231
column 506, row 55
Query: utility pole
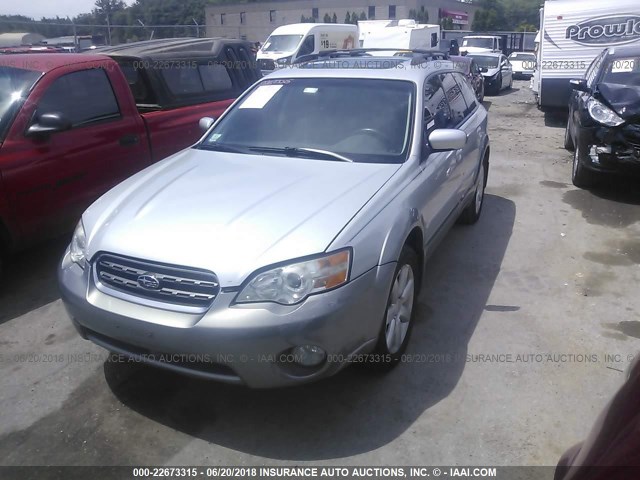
column 197, row 27
column 108, row 30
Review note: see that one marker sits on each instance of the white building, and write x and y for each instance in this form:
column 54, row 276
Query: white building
column 254, row 21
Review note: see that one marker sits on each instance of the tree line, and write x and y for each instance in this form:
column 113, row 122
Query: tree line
column 492, row 15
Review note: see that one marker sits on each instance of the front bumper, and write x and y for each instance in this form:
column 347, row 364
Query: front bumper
column 526, row 74
column 242, row 344
column 611, row 149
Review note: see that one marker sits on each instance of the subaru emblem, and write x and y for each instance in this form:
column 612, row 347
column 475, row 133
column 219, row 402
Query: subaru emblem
column 149, row 282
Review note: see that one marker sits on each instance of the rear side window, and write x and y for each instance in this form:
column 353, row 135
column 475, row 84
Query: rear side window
column 83, row 97
column 456, row 100
column 215, row 78
column 437, row 113
column 208, row 78
column 467, row 92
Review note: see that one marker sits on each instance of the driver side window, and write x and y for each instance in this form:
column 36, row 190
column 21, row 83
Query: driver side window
column 308, row 46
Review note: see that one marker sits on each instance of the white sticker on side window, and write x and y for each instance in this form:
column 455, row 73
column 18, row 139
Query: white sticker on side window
column 623, row 65
column 260, row 96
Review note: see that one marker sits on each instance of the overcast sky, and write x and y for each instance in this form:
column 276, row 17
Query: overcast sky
column 47, row 8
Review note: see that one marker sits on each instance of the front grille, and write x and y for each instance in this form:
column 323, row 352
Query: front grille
column 266, row 64
column 165, row 283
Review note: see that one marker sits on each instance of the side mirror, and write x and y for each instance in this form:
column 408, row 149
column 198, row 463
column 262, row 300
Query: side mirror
column 447, row 139
column 49, row 123
column 579, row 84
column 484, row 69
column 205, row 123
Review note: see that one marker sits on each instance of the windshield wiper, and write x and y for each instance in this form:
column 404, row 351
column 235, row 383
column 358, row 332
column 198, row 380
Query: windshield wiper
column 303, row 152
column 218, row 147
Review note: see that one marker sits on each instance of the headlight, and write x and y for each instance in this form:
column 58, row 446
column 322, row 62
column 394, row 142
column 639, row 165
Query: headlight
column 292, row 283
column 78, row 248
column 282, row 62
column 603, row 114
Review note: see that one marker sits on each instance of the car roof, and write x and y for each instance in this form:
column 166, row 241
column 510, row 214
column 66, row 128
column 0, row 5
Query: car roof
column 382, row 68
column 45, row 62
column 624, row 51
column 177, row 47
column 461, row 58
column 484, row 54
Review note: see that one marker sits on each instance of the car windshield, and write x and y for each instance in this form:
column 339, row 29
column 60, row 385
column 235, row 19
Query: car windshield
column 360, row 120
column 625, row 71
column 15, row 83
column 523, row 57
column 486, row 61
column 478, row 42
column 281, row 43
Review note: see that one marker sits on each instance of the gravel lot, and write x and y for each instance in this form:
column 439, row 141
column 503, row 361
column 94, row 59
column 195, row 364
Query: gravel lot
column 526, row 324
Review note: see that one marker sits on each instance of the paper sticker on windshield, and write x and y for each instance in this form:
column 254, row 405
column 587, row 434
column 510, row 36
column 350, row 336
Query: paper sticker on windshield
column 623, row 65
column 261, row 96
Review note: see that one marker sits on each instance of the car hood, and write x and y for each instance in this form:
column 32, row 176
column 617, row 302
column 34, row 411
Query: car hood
column 475, row 49
column 519, row 64
column 231, row 213
column 490, row 72
column 623, row 99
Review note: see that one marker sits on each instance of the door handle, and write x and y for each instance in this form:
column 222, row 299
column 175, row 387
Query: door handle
column 129, row 140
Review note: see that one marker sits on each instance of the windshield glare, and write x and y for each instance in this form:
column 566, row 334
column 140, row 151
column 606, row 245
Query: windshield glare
column 15, row 83
column 365, row 120
column 625, row 71
column 281, row 43
column 478, row 42
column 485, row 61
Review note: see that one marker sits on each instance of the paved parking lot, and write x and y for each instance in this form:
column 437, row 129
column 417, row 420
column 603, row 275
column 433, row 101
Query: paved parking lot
column 526, row 324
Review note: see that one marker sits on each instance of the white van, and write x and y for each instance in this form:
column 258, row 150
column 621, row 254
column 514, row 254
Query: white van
column 481, row 44
column 290, row 42
column 572, row 34
column 401, row 35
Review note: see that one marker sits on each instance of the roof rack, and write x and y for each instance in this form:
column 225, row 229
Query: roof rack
column 418, row 55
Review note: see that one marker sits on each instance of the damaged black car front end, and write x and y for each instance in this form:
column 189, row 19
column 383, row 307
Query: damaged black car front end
column 603, row 127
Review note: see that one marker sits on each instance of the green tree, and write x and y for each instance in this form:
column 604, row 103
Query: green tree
column 490, row 16
column 446, row 23
column 334, row 19
column 327, row 18
column 363, row 16
column 420, row 16
column 347, row 18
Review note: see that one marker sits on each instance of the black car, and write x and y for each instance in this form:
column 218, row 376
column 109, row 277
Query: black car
column 469, row 67
column 603, row 128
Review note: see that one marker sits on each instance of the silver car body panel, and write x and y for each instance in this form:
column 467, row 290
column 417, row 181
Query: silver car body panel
column 234, row 214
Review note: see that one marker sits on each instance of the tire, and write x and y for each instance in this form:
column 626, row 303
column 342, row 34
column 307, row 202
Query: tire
column 471, row 213
column 580, row 175
column 568, row 139
column 398, row 315
column 498, row 87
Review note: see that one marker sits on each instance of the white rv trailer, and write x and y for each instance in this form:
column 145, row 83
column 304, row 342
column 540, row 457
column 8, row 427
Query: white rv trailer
column 403, row 35
column 572, row 34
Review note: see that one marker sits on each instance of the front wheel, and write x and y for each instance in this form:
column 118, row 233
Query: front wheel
column 581, row 176
column 398, row 316
column 471, row 213
column 568, row 140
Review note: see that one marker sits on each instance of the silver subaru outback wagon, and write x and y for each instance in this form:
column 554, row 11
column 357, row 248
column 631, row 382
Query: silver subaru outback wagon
column 292, row 238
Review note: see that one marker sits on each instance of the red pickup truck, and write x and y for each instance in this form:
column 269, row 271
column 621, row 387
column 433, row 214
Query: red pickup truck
column 74, row 125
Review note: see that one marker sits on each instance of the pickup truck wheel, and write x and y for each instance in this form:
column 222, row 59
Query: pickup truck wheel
column 398, row 316
column 580, row 175
column 568, row 140
column 471, row 213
